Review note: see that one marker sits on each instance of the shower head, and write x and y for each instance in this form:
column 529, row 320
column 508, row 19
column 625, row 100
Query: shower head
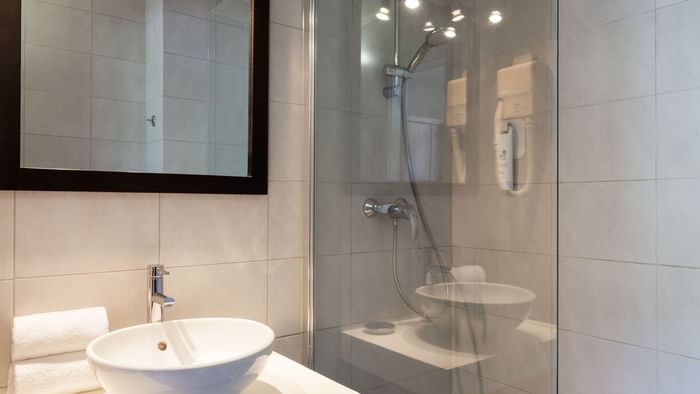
column 440, row 36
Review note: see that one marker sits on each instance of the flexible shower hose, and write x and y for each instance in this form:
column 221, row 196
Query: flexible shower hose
column 421, row 214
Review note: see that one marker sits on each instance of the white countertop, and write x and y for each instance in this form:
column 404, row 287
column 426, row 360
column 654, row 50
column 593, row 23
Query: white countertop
column 284, row 376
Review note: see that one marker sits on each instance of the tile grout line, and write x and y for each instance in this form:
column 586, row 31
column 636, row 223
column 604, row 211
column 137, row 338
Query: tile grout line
column 656, row 202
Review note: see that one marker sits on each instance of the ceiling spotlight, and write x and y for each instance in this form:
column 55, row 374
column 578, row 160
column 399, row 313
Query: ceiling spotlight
column 450, row 32
column 495, row 17
column 428, row 26
column 383, row 14
column 412, row 4
column 457, row 15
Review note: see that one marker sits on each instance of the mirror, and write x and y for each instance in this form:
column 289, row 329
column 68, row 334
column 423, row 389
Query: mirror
column 136, row 85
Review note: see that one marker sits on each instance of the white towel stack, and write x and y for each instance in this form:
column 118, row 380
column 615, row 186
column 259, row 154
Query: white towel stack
column 48, row 351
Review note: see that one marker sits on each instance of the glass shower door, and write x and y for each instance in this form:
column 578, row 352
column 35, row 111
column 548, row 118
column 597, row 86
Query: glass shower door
column 435, row 195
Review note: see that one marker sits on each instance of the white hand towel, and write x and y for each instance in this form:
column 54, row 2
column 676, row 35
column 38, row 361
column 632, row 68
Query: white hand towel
column 67, row 373
column 56, row 332
column 469, row 273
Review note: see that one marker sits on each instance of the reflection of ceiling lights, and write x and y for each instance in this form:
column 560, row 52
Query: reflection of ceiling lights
column 457, row 15
column 450, row 32
column 495, row 17
column 383, row 14
column 412, row 4
column 428, row 26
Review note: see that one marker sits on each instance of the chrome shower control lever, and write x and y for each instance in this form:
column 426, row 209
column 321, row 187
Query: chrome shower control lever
column 399, row 209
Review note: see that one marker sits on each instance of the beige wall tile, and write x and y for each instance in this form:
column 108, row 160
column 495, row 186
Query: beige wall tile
column 186, row 35
column 56, row 70
column 58, row 27
column 6, row 302
column 619, row 141
column 119, row 38
column 332, row 215
column 284, row 296
column 198, row 8
column 207, row 229
column 616, row 301
column 677, row 374
column 580, row 14
column 286, row 64
column 677, row 135
column 122, row 293
column 57, row 114
column 592, row 365
column 68, row 233
column 118, row 79
column 612, row 220
column 81, row 4
column 677, row 219
column 334, row 132
column 678, row 61
column 332, row 290
column 289, row 143
column 596, row 55
column 486, row 217
column 223, row 290
column 287, row 12
column 128, row 9
column 7, row 215
column 679, row 298
column 288, row 222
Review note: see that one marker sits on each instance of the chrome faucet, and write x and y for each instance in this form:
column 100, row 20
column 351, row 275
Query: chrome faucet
column 157, row 300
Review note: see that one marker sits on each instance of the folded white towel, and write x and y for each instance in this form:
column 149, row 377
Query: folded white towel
column 67, row 373
column 50, row 333
column 469, row 273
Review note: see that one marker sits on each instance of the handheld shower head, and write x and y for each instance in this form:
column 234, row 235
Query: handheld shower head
column 440, row 36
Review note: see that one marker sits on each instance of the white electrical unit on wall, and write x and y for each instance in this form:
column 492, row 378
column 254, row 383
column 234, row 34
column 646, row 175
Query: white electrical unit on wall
column 518, row 101
column 456, row 120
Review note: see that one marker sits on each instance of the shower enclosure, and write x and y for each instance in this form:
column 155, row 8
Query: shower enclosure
column 435, row 195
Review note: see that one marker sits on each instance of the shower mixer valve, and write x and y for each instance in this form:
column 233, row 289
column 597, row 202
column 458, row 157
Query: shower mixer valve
column 399, row 209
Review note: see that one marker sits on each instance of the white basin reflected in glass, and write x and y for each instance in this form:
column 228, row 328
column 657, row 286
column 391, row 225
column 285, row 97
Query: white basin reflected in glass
column 474, row 314
column 209, row 356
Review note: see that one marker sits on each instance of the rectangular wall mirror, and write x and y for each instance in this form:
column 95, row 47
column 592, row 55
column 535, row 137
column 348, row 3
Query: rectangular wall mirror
column 136, row 95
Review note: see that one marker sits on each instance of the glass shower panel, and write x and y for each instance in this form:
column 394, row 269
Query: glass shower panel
column 435, row 195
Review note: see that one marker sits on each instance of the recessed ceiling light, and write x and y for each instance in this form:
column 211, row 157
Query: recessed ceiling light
column 450, row 32
column 383, row 14
column 495, row 17
column 412, row 4
column 457, row 15
column 428, row 26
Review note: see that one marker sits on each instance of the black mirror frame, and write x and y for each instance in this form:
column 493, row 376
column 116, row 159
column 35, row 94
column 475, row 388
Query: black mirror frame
column 14, row 177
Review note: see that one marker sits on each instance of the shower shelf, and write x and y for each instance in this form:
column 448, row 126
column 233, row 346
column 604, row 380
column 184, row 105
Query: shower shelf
column 405, row 341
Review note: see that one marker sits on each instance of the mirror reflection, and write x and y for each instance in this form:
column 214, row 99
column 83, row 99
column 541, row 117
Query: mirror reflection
column 136, row 86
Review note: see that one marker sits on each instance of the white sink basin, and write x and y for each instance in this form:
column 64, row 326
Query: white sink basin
column 469, row 311
column 209, row 356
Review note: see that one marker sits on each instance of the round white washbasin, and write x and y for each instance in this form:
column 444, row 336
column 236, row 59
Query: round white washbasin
column 209, row 356
column 490, row 310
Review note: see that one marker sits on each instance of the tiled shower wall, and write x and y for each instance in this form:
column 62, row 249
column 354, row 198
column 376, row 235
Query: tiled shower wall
column 241, row 256
column 629, row 299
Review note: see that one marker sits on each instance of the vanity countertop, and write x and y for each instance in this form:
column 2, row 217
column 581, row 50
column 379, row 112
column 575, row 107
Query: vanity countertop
column 284, row 376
